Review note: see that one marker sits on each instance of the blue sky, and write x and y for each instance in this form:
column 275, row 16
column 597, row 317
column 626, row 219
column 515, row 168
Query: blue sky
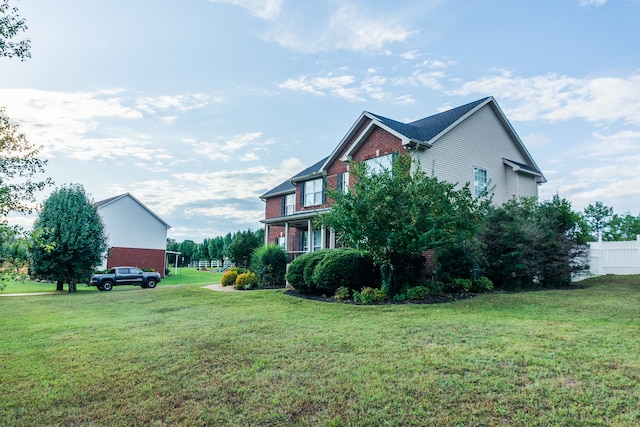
column 198, row 107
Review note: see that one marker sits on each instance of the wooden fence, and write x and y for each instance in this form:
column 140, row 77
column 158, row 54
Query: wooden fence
column 615, row 257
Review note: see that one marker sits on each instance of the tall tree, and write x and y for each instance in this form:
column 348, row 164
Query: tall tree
column 398, row 214
column 10, row 25
column 622, row 227
column 68, row 238
column 597, row 217
column 18, row 166
column 530, row 244
column 242, row 247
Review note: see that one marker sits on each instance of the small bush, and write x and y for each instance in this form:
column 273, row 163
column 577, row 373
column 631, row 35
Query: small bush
column 247, row 280
column 229, row 278
column 482, row 284
column 417, row 293
column 342, row 293
column 460, row 285
column 369, row 295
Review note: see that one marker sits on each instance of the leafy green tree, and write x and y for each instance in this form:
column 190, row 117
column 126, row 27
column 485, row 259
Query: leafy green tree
column 216, row 248
column 242, row 247
column 18, row 166
column 530, row 244
column 396, row 215
column 10, row 25
column 622, row 227
column 597, row 217
column 188, row 250
column 68, row 238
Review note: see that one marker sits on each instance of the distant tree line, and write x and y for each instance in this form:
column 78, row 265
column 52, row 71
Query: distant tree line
column 236, row 246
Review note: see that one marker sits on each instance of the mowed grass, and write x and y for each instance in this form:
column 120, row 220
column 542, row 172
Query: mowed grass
column 183, row 276
column 192, row 356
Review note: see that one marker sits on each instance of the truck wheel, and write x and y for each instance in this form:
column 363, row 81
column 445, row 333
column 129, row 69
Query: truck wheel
column 151, row 283
column 99, row 288
column 107, row 286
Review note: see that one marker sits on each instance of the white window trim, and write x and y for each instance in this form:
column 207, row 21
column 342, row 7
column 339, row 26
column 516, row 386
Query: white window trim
column 313, row 198
column 290, row 208
column 477, row 190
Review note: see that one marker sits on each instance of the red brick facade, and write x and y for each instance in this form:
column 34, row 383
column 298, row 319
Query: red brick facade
column 141, row 258
column 378, row 143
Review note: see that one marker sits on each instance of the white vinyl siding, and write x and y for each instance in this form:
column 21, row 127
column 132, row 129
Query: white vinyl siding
column 313, row 192
column 129, row 225
column 481, row 139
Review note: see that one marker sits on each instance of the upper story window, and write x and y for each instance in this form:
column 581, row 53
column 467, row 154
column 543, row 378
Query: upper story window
column 343, row 182
column 378, row 164
column 289, row 204
column 313, row 192
column 480, row 182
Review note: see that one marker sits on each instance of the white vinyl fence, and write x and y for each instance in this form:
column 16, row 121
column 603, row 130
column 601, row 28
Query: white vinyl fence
column 615, row 257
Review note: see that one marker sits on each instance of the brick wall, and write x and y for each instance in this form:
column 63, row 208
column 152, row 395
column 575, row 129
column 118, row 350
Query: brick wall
column 141, row 258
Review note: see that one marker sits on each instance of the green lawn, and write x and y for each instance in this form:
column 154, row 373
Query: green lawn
column 191, row 356
column 183, row 276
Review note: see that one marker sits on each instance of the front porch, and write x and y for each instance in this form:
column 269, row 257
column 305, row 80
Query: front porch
column 296, row 233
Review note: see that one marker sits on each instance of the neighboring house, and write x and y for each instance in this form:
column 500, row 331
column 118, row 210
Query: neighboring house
column 136, row 236
column 473, row 143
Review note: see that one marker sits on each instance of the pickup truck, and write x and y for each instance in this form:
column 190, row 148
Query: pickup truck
column 124, row 276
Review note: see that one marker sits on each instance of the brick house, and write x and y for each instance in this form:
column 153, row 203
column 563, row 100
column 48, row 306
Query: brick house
column 472, row 143
column 136, row 235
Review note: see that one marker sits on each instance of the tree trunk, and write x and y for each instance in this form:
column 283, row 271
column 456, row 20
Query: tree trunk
column 59, row 286
column 72, row 285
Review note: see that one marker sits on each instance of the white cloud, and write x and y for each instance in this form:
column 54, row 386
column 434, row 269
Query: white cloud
column 553, row 97
column 174, row 102
column 241, row 147
column 349, row 27
column 265, row 9
column 592, row 2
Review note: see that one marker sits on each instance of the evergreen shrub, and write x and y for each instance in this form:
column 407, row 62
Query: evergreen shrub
column 270, row 264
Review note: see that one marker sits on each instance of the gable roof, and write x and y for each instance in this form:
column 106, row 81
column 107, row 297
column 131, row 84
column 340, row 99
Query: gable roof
column 429, row 127
column 420, row 134
column 288, row 186
column 106, row 202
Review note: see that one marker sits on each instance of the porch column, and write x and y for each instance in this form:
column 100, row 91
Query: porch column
column 266, row 234
column 323, row 237
column 286, row 237
column 332, row 239
column 309, row 236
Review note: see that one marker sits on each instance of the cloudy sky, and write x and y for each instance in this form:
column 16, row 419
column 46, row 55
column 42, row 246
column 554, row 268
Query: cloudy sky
column 197, row 107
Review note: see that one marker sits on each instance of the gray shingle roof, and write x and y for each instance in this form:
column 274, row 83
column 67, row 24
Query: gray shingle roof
column 429, row 127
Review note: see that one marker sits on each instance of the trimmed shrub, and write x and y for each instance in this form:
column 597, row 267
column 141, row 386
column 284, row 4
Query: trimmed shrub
column 459, row 285
column 247, row 280
column 418, row 293
column 270, row 264
column 346, row 267
column 229, row 278
column 482, row 284
column 296, row 273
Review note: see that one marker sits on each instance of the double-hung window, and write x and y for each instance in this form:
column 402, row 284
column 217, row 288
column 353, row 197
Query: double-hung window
column 378, row 164
column 289, row 204
column 313, row 192
column 343, row 182
column 316, row 241
column 480, row 182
